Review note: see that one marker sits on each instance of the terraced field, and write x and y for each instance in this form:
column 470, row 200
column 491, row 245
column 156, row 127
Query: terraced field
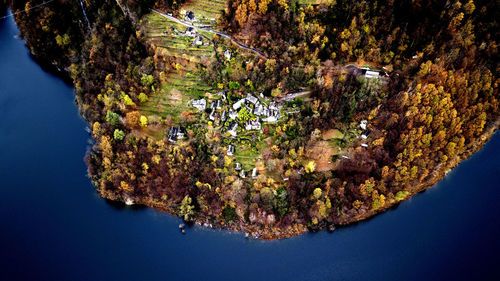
column 182, row 82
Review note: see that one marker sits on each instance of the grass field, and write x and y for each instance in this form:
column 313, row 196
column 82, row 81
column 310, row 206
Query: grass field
column 183, row 83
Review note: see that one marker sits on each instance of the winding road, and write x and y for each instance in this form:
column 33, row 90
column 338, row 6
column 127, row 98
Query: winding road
column 172, row 18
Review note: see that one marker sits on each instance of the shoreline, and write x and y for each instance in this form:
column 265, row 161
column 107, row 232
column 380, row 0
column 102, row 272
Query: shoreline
column 276, row 232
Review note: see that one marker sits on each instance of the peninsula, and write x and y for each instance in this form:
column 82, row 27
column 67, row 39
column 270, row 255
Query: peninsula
column 272, row 117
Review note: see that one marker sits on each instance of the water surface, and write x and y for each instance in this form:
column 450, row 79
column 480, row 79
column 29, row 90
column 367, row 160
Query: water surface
column 55, row 227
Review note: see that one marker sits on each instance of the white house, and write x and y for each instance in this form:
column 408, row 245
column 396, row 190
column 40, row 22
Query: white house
column 254, row 173
column 232, row 129
column 218, row 104
column 227, row 54
column 273, row 105
column 191, row 32
column 369, row 74
column 363, row 124
column 233, row 114
column 238, row 104
column 200, row 104
column 212, row 115
column 230, row 150
column 253, row 125
column 198, row 41
column 176, row 133
column 237, row 166
column 251, row 98
column 259, row 109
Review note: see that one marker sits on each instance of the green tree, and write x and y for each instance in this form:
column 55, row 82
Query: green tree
column 118, row 134
column 143, row 97
column 112, row 118
column 147, row 80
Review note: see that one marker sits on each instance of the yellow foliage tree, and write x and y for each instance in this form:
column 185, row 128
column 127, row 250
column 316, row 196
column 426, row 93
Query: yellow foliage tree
column 143, row 121
column 310, row 167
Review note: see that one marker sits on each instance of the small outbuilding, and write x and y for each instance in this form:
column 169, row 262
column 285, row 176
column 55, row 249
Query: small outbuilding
column 198, row 41
column 227, row 54
column 189, row 16
column 230, row 150
column 237, row 166
column 232, row 129
column 254, row 173
column 191, row 32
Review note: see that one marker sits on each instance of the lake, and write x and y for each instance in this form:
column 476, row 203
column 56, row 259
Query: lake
column 55, row 227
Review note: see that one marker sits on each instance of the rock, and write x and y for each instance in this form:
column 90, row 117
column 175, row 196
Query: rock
column 181, row 226
column 331, row 228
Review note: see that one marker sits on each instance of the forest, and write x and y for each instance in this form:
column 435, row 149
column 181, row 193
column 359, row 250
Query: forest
column 435, row 103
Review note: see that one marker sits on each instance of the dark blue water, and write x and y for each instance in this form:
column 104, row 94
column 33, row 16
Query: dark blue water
column 53, row 226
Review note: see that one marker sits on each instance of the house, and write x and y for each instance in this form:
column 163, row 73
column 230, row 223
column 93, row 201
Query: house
column 223, row 116
column 364, row 145
column 191, row 32
column 363, row 124
column 189, row 16
column 198, row 41
column 222, row 94
column 232, row 129
column 248, row 105
column 212, row 114
column 273, row 105
column 238, row 104
column 346, row 157
column 230, row 150
column 363, row 136
column 242, row 174
column 227, row 54
column 270, row 119
column 237, row 166
column 271, row 116
column 251, row 98
column 233, row 114
column 259, row 109
column 218, row 104
column 254, row 173
column 200, row 104
column 176, row 133
column 369, row 74
column 172, row 134
column 253, row 125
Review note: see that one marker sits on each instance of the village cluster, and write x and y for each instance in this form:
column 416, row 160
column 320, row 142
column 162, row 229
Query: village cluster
column 246, row 115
